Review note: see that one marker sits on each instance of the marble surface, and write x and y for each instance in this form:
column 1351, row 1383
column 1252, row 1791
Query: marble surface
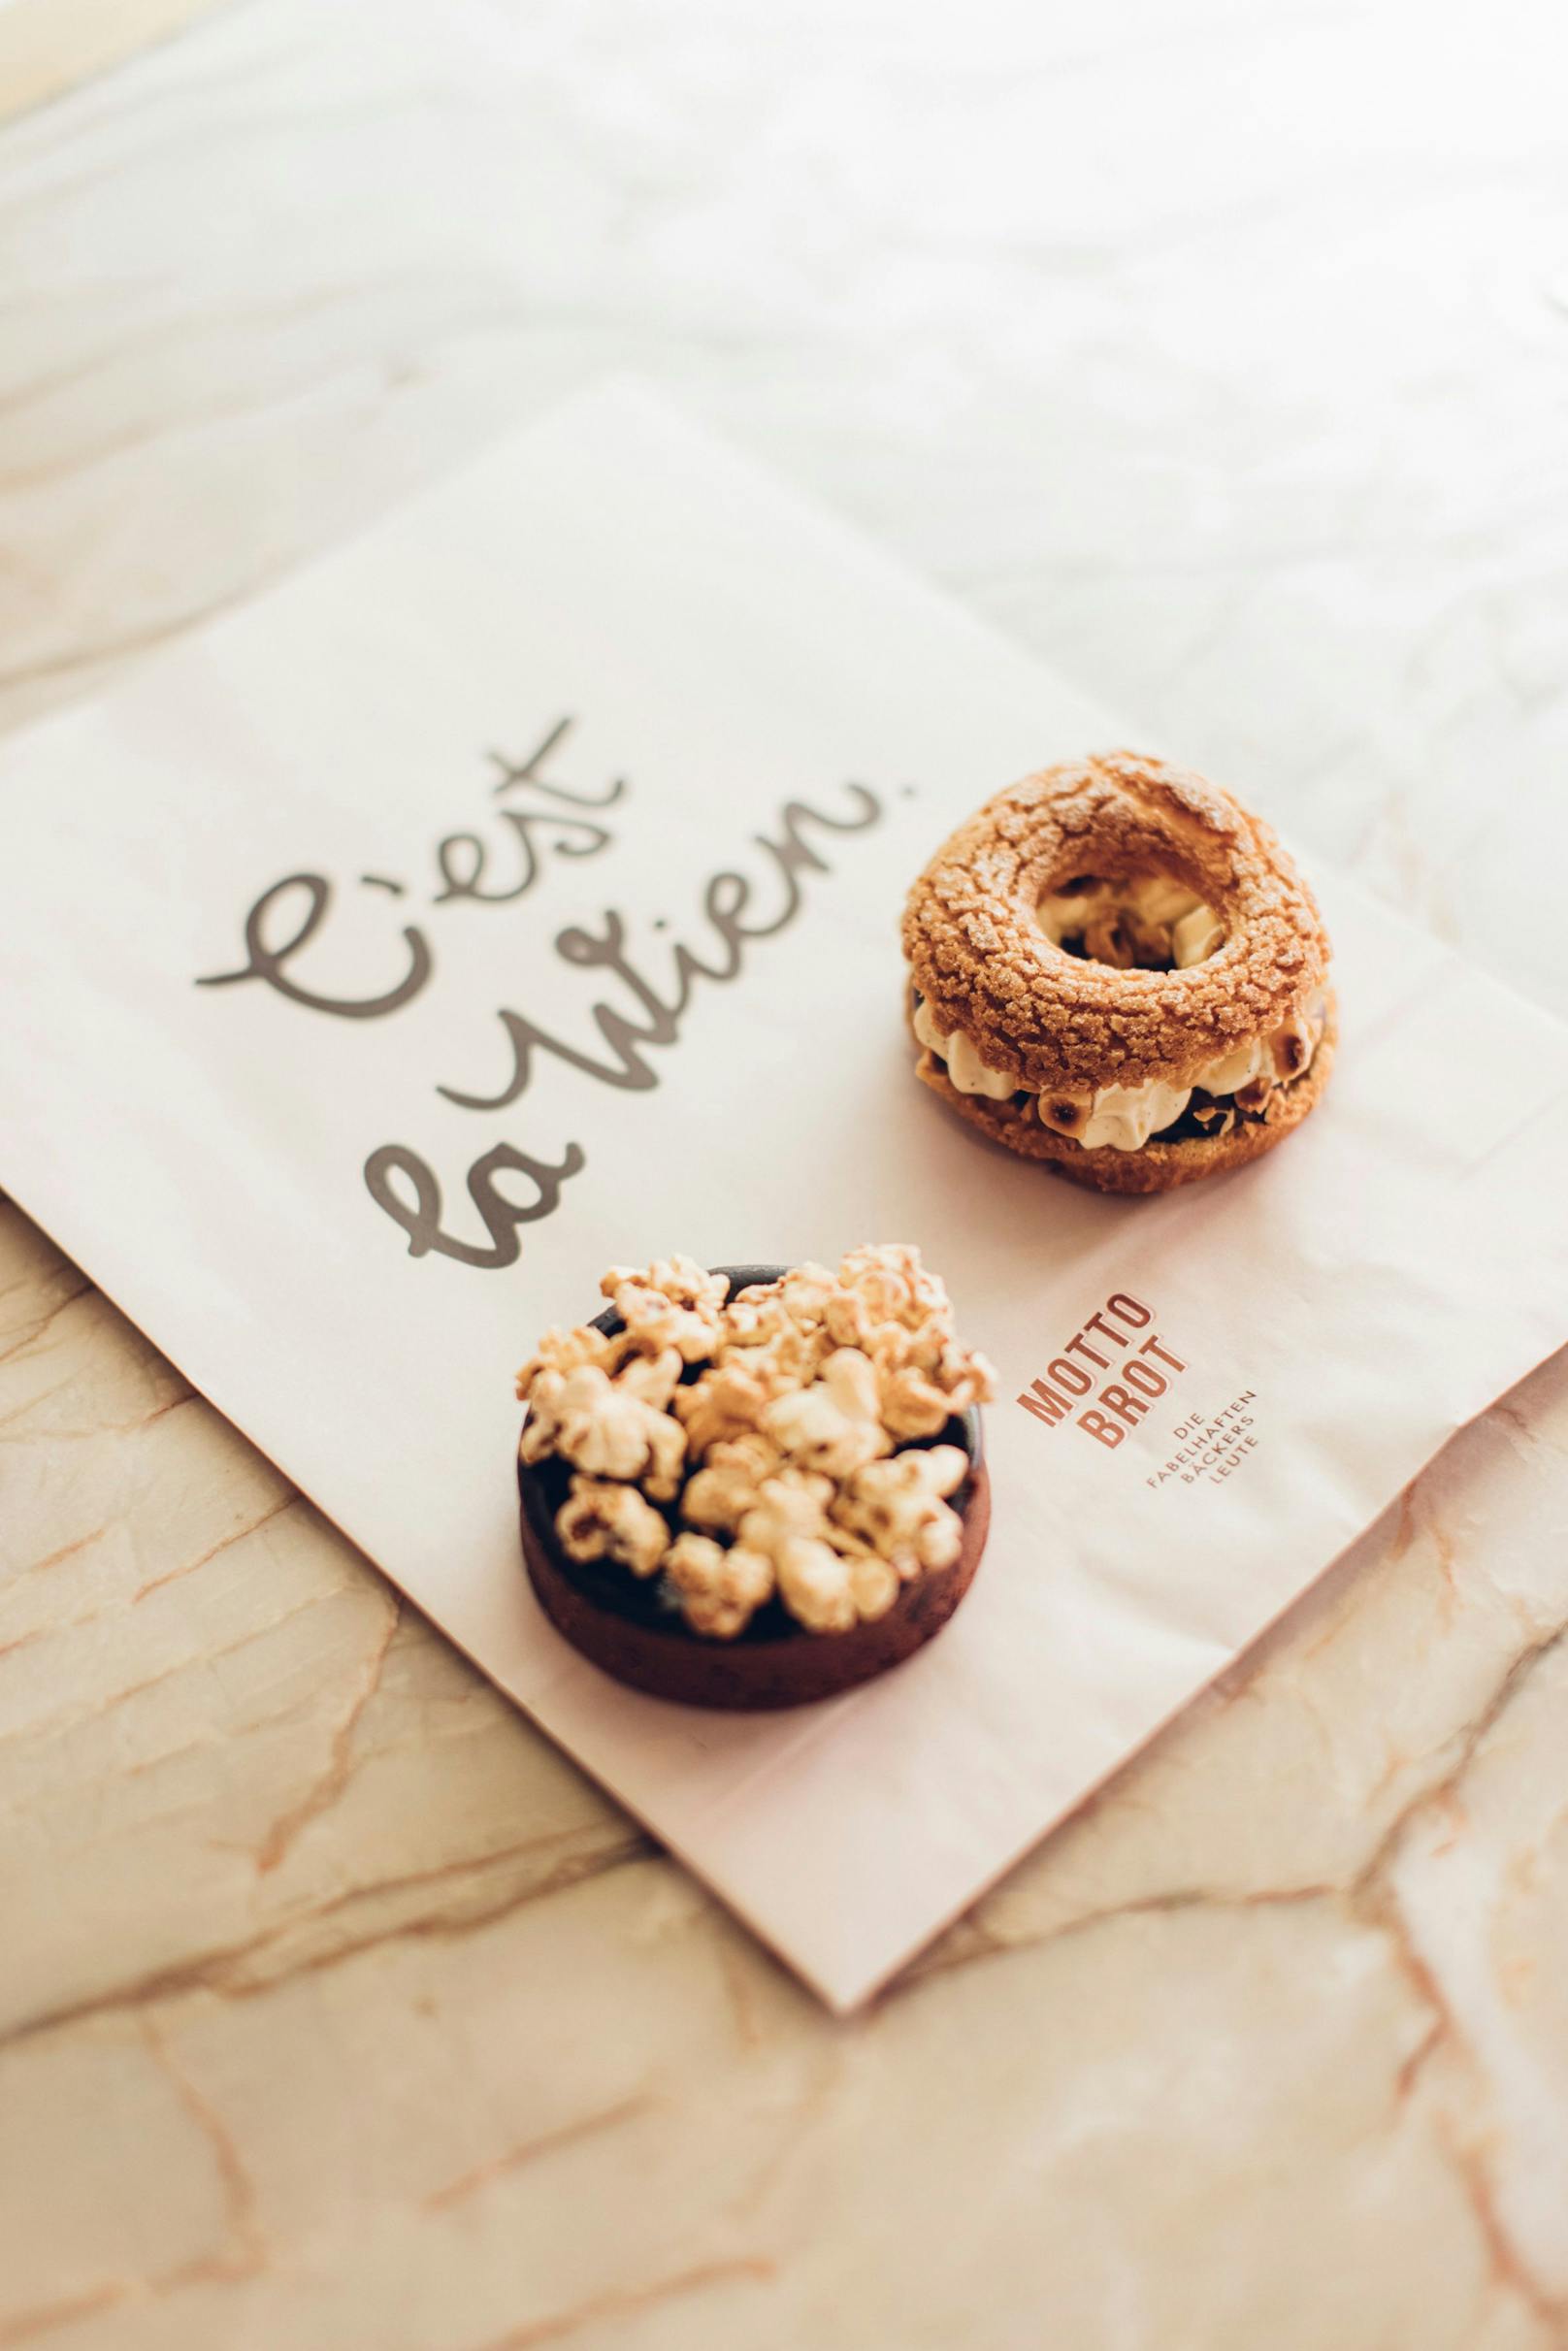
column 1221, row 355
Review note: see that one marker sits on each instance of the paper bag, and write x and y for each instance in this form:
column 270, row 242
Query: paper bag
column 516, row 892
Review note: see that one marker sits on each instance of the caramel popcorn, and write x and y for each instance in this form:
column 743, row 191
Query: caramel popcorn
column 900, row 1510
column 913, row 1406
column 918, row 1400
column 725, row 1402
column 603, row 1520
column 652, row 1379
column 718, row 1496
column 594, row 1424
column 804, row 1293
column 791, row 1502
column 776, row 1348
column 814, row 1585
column 752, row 1452
column 769, row 1427
column 565, row 1351
column 720, row 1590
column 873, row 1582
column 834, row 1424
column 755, row 1314
column 897, row 1286
column 676, row 1303
column 831, row 1581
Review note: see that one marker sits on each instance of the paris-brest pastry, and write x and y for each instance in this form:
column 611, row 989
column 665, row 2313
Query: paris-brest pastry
column 1114, row 968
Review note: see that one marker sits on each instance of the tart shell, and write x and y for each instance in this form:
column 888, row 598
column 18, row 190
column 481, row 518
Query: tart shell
column 608, row 1618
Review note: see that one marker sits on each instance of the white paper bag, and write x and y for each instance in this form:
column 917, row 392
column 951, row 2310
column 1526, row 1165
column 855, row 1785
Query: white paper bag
column 303, row 934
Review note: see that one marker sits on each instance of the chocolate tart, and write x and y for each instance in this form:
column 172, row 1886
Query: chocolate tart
column 632, row 1629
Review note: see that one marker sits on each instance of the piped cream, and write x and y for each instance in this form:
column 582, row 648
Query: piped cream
column 1124, row 1118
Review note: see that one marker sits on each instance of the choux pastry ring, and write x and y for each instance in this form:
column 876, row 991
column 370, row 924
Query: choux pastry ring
column 1115, row 969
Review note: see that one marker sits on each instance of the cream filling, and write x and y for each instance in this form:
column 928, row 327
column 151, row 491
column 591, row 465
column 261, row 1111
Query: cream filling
column 1151, row 911
column 967, row 1072
column 1123, row 1118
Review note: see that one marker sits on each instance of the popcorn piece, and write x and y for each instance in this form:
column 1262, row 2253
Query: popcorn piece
column 546, row 1389
column 750, row 1321
column 818, row 1575
column 680, row 1281
column 718, row 1496
column 597, row 1426
column 834, row 1425
column 872, row 1581
column 902, row 1319
column 895, row 1284
column 674, row 1303
column 913, row 1407
column 873, row 1585
column 656, row 1323
column 850, row 1379
column 601, row 1519
column 815, row 1585
column 727, row 1401
column 967, row 1375
column 940, row 1468
column 667, row 1457
column 804, row 1292
column 920, row 1403
column 652, row 1379
column 897, row 1507
column 754, row 1313
column 564, row 1351
column 752, row 1452
column 786, row 1354
column 851, row 1321
column 794, row 1502
column 720, row 1590
column 717, row 1499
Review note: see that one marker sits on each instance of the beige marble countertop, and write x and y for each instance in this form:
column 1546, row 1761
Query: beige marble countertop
column 1223, row 360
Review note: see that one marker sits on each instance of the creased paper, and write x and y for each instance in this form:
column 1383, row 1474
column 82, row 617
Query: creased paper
column 515, row 893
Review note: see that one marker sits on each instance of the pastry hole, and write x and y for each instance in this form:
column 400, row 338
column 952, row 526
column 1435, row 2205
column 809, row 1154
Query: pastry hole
column 1144, row 922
